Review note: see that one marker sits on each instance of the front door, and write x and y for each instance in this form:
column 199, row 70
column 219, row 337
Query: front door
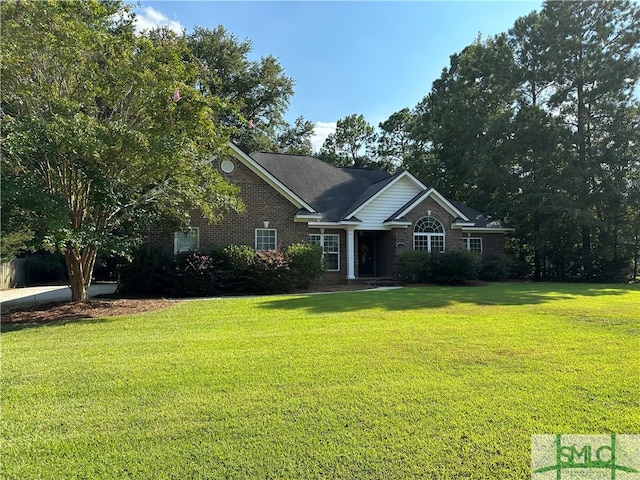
column 366, row 255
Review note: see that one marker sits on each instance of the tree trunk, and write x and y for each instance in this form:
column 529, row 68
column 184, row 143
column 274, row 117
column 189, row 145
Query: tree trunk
column 80, row 265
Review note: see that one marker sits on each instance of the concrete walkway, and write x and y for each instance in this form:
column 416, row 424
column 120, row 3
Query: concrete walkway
column 30, row 296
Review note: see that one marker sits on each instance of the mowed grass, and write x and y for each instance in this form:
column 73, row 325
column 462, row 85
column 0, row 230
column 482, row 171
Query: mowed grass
column 424, row 382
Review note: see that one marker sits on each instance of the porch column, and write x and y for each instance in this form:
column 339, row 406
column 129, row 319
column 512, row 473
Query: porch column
column 350, row 254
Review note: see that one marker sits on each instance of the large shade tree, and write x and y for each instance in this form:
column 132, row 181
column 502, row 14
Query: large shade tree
column 255, row 93
column 464, row 121
column 103, row 131
column 578, row 66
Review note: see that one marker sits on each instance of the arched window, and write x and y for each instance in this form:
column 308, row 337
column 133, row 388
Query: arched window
column 428, row 234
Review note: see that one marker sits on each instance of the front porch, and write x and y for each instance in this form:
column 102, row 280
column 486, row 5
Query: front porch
column 371, row 254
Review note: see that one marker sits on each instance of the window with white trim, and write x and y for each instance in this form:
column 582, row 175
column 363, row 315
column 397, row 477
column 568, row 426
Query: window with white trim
column 428, row 234
column 187, row 241
column 330, row 244
column 472, row 244
column 266, row 239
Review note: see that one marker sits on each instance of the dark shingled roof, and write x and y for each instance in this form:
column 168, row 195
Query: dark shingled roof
column 332, row 191
column 336, row 192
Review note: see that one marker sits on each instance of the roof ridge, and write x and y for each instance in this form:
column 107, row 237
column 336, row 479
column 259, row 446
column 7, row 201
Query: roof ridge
column 370, row 169
column 286, row 154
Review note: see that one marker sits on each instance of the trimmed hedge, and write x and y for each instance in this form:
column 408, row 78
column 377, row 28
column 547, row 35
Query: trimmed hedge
column 451, row 268
column 305, row 261
column 239, row 269
column 193, row 274
column 455, row 268
column 146, row 273
column 237, row 265
column 415, row 266
column 235, row 269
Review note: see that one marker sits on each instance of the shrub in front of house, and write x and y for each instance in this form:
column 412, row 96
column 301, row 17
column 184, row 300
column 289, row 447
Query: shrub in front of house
column 455, row 268
column 415, row 266
column 237, row 268
column 305, row 263
column 269, row 271
column 245, row 270
column 146, row 273
column 272, row 272
column 195, row 274
column 236, row 257
column 495, row 267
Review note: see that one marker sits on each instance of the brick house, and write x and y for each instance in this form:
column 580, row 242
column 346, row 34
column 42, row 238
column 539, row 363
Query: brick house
column 363, row 219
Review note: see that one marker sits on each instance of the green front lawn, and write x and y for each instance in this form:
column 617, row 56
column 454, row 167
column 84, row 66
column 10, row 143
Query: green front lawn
column 420, row 382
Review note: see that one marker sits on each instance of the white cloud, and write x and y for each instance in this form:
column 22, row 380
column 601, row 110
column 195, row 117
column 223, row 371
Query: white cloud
column 321, row 130
column 151, row 18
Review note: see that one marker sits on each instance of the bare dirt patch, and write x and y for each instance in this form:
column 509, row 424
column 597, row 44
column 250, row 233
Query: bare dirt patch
column 52, row 312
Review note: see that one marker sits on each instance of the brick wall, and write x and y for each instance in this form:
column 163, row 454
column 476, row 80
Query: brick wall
column 492, row 243
column 263, row 204
column 453, row 238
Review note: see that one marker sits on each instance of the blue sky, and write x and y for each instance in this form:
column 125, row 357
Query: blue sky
column 373, row 58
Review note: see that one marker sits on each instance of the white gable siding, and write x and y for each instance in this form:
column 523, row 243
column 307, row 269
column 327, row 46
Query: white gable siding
column 385, row 204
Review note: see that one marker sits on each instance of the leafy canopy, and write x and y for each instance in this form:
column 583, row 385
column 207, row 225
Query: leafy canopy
column 103, row 131
column 255, row 94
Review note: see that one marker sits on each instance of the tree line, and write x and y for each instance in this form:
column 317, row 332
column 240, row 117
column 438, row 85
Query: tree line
column 540, row 126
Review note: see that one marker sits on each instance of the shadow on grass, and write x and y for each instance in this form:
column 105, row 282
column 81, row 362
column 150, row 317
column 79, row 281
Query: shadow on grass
column 55, row 314
column 413, row 298
column 78, row 320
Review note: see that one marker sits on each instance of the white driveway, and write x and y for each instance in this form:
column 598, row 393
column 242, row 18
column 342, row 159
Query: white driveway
column 29, row 296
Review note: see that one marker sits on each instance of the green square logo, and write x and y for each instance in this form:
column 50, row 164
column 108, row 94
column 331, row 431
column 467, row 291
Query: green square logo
column 585, row 457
